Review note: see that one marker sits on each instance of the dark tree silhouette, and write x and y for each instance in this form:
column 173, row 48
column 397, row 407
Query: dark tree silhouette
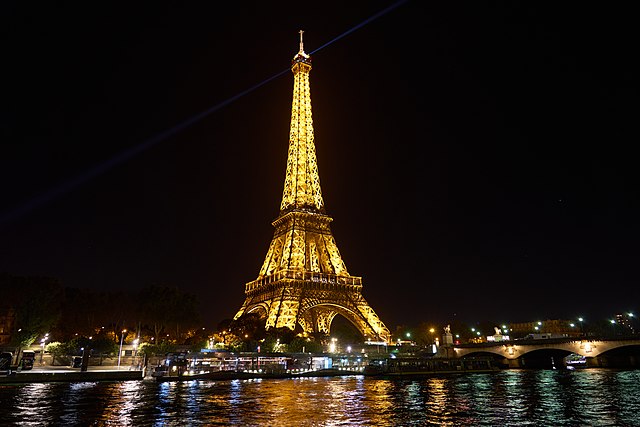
column 166, row 309
column 36, row 303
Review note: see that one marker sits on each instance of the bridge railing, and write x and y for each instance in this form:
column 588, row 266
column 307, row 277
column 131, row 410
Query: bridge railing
column 305, row 276
column 549, row 341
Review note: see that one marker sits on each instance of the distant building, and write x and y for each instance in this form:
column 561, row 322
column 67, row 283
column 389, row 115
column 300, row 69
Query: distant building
column 549, row 326
column 624, row 320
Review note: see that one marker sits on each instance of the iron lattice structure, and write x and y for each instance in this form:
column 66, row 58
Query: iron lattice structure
column 303, row 280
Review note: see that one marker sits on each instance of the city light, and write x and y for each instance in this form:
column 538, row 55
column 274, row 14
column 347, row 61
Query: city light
column 43, row 341
column 332, row 346
column 135, row 346
column 120, row 352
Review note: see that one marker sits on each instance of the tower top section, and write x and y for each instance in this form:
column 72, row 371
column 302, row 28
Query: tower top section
column 302, row 182
column 301, row 56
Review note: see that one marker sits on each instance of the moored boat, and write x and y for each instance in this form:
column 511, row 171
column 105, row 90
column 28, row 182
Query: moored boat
column 394, row 366
column 228, row 366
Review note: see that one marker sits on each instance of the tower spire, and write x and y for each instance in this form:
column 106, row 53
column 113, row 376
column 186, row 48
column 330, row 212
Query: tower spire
column 302, row 182
column 301, row 44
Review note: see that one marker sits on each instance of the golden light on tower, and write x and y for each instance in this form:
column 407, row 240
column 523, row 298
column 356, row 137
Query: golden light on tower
column 303, row 281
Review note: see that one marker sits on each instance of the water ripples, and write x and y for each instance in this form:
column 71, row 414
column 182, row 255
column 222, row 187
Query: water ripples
column 592, row 397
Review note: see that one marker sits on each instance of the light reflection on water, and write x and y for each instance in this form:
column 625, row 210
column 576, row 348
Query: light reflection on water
column 595, row 397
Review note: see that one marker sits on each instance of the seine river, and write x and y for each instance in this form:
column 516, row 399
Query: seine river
column 590, row 397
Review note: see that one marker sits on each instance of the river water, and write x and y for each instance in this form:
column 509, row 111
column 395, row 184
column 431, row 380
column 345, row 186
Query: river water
column 589, row 397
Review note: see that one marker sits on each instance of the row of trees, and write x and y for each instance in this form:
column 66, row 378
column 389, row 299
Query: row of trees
column 41, row 305
column 160, row 316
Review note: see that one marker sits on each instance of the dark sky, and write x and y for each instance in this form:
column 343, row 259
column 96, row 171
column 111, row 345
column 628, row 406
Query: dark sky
column 477, row 159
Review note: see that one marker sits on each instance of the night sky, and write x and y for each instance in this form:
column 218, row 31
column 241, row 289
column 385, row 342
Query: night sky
column 478, row 160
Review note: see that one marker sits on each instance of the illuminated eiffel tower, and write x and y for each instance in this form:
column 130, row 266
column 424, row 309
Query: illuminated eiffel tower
column 303, row 283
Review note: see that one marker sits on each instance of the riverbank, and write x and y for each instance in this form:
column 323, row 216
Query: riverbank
column 66, row 374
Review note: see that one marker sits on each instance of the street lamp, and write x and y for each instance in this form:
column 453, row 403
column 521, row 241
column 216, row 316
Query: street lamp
column 135, row 346
column 43, row 341
column 580, row 319
column 120, row 352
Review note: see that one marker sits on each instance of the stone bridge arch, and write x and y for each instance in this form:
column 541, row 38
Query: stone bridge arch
column 514, row 351
column 319, row 316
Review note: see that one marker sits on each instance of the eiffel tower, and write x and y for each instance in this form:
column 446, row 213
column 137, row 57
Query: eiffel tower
column 303, row 283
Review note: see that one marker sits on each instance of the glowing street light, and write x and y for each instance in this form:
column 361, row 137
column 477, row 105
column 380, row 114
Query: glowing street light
column 580, row 319
column 120, row 352
column 43, row 341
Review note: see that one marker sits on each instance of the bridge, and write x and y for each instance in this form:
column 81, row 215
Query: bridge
column 597, row 351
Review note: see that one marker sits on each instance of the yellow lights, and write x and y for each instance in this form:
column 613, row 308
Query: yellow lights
column 302, row 182
column 303, row 282
column 432, row 330
column 587, row 347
